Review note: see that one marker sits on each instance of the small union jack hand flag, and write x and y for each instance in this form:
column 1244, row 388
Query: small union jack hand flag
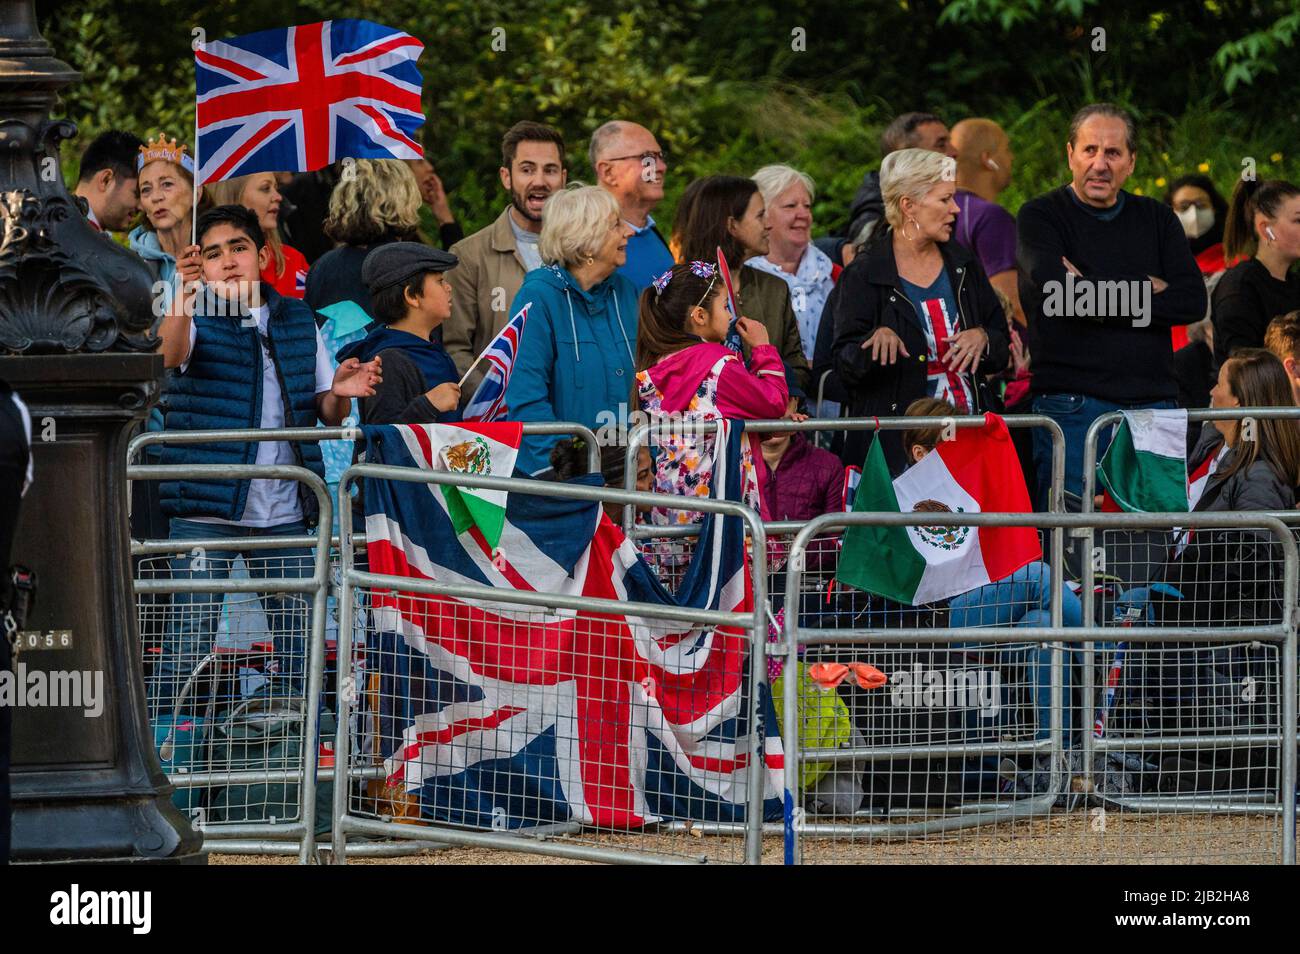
column 298, row 98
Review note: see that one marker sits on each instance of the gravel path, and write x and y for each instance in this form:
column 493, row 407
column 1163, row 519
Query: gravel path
column 1075, row 838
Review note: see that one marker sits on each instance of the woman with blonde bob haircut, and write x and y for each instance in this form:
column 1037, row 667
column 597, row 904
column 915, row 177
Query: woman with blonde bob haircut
column 575, row 224
column 575, row 360
column 286, row 272
column 915, row 315
column 376, row 201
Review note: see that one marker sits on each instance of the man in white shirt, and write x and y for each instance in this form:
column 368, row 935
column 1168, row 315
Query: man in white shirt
column 245, row 357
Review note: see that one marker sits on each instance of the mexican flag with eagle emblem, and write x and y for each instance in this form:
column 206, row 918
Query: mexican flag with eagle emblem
column 975, row 472
column 484, row 450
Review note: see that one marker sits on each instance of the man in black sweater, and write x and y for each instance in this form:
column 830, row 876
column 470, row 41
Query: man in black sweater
column 1104, row 274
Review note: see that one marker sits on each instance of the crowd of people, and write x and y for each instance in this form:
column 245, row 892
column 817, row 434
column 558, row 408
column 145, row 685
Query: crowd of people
column 315, row 298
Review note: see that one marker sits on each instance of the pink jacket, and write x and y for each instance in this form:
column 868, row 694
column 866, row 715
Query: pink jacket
column 742, row 394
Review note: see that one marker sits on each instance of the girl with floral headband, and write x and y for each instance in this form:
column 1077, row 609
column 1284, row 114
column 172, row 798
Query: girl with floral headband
column 685, row 373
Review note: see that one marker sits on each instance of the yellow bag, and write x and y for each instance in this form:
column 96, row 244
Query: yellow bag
column 824, row 722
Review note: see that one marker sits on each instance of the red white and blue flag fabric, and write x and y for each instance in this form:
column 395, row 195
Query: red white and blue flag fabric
column 489, row 400
column 497, row 714
column 298, row 98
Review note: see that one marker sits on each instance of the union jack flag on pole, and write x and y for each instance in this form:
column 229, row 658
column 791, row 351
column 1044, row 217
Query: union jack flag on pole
column 298, row 98
column 489, row 401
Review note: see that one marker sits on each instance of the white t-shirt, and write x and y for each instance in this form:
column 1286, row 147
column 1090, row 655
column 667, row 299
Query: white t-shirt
column 271, row 502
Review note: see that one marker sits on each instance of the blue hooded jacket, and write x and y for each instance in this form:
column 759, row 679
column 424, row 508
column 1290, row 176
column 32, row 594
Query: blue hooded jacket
column 575, row 358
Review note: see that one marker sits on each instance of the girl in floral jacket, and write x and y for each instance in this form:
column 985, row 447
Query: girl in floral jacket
column 687, row 375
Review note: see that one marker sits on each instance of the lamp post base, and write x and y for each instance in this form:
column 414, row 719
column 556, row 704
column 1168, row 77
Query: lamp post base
column 86, row 782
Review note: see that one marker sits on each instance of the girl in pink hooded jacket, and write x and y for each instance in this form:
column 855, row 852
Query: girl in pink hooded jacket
column 686, row 374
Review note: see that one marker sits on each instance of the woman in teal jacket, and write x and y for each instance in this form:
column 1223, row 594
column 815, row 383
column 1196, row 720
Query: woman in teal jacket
column 575, row 360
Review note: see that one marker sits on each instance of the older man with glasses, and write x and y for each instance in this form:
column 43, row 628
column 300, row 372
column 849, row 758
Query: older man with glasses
column 630, row 166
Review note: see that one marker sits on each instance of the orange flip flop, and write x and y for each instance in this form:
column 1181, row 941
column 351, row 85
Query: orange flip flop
column 868, row 677
column 827, row 675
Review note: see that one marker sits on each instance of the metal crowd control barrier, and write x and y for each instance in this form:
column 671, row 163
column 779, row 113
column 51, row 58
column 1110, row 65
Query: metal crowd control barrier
column 636, row 439
column 663, row 546
column 1064, row 778
column 286, row 834
column 1090, row 567
column 562, row 840
column 300, row 829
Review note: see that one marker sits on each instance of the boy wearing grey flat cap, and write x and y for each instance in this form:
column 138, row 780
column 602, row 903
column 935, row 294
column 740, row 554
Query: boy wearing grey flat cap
column 407, row 282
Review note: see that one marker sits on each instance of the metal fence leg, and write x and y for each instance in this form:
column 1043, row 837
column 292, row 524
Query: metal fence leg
column 790, row 733
column 758, row 691
column 347, row 692
column 1289, row 690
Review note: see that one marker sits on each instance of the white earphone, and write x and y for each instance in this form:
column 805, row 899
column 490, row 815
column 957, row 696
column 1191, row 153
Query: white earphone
column 992, row 164
column 1268, row 230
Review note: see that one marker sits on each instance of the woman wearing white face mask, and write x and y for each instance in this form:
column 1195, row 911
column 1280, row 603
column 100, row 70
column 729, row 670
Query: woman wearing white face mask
column 1202, row 211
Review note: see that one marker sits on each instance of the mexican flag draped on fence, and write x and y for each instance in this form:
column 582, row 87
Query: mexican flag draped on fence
column 1144, row 469
column 977, row 472
column 485, row 450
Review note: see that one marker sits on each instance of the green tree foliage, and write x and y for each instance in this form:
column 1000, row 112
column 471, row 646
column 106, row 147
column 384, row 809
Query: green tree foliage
column 728, row 86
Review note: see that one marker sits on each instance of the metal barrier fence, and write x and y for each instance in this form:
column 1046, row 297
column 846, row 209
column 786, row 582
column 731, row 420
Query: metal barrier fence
column 964, row 757
column 223, row 657
column 1222, row 779
column 373, row 803
column 268, row 744
column 1119, row 555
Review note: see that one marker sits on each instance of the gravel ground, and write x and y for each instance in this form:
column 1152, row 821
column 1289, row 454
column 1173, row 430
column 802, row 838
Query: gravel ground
column 1075, row 838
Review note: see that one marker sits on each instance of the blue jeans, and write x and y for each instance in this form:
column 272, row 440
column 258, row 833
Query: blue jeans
column 1024, row 599
column 194, row 617
column 1075, row 413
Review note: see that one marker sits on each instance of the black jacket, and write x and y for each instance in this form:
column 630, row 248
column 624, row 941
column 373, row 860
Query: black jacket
column 1112, row 354
column 868, row 206
column 869, row 296
column 1245, row 300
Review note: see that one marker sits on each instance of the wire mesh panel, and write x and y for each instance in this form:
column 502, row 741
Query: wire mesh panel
column 564, row 760
column 1145, row 749
column 225, row 676
column 512, row 718
column 232, row 629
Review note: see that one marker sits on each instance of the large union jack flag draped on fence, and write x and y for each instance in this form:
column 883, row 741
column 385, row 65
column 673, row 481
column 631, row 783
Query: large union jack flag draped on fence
column 501, row 715
column 298, row 98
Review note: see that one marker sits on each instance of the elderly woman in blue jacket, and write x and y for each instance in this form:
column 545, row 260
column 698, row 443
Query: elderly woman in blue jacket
column 576, row 355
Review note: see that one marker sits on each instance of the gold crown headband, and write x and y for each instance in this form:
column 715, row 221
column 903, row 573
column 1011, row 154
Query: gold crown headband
column 165, row 150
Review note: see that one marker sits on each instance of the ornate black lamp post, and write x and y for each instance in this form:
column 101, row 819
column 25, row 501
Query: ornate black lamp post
column 75, row 310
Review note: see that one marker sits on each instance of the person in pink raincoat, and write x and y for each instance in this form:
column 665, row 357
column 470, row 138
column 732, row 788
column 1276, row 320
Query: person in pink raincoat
column 686, row 374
